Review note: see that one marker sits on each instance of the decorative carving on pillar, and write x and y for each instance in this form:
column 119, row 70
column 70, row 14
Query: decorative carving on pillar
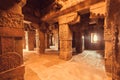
column 14, row 20
column 10, row 60
column 11, row 33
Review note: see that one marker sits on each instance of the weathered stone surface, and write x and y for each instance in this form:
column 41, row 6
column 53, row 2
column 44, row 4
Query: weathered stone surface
column 13, row 74
column 11, row 33
column 65, row 49
column 70, row 18
column 14, row 20
column 64, row 32
column 65, row 37
column 112, row 30
column 10, row 60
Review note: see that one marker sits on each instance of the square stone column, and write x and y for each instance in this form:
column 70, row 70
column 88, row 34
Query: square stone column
column 65, row 34
column 65, row 37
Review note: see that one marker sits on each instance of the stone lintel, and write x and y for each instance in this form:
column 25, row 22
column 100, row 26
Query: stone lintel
column 70, row 18
column 11, row 32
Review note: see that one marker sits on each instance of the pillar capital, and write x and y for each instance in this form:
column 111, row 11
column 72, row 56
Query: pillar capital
column 98, row 10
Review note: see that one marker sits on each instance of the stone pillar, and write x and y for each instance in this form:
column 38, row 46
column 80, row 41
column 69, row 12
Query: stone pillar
column 65, row 41
column 42, row 42
column 108, row 51
column 78, row 42
column 46, row 41
column 31, row 40
column 112, row 27
column 11, row 46
column 37, row 41
column 65, row 34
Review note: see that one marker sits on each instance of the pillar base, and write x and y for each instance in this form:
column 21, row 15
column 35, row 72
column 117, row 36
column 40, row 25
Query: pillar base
column 65, row 55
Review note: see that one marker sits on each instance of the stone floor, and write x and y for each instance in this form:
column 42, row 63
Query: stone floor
column 88, row 65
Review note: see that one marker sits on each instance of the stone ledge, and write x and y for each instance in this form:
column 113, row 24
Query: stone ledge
column 13, row 74
column 11, row 32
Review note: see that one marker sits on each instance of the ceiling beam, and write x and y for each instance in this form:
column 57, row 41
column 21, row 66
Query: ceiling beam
column 78, row 7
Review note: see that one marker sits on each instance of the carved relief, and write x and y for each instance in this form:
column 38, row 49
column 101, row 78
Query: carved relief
column 112, row 31
column 10, row 60
column 11, row 20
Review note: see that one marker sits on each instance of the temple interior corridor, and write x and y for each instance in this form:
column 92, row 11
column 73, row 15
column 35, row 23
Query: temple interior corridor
column 59, row 39
column 88, row 65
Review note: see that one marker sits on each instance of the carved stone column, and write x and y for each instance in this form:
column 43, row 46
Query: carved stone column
column 65, row 34
column 11, row 34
